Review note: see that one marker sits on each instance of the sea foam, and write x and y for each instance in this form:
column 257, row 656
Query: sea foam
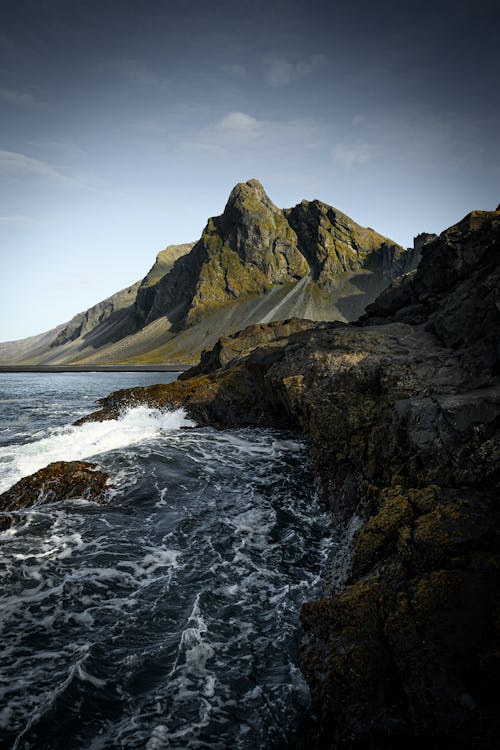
column 71, row 443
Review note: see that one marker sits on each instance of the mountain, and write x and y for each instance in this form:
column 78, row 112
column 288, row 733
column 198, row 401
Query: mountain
column 255, row 263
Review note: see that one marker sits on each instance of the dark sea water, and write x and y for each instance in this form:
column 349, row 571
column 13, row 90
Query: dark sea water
column 168, row 618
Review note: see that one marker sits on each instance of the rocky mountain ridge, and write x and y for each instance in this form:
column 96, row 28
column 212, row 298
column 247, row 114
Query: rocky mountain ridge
column 253, row 264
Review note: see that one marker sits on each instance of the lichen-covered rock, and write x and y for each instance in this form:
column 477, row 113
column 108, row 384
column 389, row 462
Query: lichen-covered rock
column 402, row 647
column 61, row 480
column 333, row 243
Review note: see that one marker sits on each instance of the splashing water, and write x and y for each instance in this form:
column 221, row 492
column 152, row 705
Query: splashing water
column 70, row 443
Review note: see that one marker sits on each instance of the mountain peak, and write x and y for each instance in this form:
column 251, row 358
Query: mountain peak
column 250, row 195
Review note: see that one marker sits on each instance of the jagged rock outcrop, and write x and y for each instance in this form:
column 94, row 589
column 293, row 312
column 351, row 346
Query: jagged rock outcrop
column 61, row 480
column 402, row 410
column 243, row 343
column 254, row 263
column 243, row 252
column 333, row 243
column 248, row 249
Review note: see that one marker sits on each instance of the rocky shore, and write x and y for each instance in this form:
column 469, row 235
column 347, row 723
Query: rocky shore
column 402, row 413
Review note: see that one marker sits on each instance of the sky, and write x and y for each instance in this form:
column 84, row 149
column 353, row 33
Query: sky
column 124, row 126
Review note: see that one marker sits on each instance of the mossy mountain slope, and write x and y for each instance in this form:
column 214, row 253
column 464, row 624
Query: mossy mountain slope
column 254, row 246
column 254, row 263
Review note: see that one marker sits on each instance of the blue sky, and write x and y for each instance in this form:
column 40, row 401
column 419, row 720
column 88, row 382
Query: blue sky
column 124, row 125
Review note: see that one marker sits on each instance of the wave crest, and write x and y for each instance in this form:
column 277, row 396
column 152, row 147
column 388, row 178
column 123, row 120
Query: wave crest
column 71, row 443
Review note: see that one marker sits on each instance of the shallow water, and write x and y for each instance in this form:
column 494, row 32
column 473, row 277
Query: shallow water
column 167, row 618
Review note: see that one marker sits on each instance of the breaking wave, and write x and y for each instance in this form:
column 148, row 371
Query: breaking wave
column 69, row 443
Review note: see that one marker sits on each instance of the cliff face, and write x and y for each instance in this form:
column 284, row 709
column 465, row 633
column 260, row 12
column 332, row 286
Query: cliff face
column 403, row 413
column 333, row 244
column 253, row 264
column 148, row 288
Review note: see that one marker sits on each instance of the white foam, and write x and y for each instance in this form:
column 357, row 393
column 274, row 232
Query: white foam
column 72, row 443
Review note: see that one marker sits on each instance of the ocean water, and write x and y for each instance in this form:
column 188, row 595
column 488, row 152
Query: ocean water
column 169, row 617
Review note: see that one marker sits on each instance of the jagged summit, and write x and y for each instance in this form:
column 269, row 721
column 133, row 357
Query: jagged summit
column 253, row 263
column 250, row 190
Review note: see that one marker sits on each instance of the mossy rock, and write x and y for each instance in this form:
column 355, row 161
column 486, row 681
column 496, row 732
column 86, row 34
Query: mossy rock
column 59, row 481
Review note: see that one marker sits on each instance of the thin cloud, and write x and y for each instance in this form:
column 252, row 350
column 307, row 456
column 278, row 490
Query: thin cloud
column 19, row 98
column 236, row 129
column 16, row 219
column 239, row 126
column 135, row 72
column 237, row 71
column 16, row 165
column 279, row 71
column 350, row 155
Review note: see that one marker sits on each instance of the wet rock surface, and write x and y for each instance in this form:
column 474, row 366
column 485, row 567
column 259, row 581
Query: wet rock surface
column 61, row 480
column 402, row 410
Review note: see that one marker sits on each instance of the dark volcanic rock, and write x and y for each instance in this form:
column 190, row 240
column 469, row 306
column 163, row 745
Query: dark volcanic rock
column 333, row 243
column 62, row 480
column 402, row 410
column 242, row 343
column 455, row 291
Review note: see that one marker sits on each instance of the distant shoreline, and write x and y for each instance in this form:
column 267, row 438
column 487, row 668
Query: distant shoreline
column 93, row 368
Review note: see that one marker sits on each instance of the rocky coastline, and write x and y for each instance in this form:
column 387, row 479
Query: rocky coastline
column 402, row 411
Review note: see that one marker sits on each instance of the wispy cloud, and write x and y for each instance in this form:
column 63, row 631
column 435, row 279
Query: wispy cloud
column 280, row 71
column 349, row 155
column 19, row 99
column 236, row 130
column 17, row 165
column 61, row 148
column 238, row 126
column 135, row 72
column 237, row 71
column 16, row 219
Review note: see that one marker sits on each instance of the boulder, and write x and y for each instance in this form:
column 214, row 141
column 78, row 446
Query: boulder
column 61, row 480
